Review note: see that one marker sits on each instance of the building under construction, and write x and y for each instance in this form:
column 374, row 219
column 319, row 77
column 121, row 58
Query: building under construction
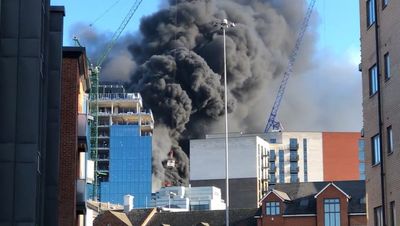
column 124, row 146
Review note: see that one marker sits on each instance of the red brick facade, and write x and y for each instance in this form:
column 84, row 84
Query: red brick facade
column 69, row 153
column 340, row 156
column 311, row 219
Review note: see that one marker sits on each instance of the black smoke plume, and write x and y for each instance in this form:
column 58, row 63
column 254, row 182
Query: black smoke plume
column 179, row 58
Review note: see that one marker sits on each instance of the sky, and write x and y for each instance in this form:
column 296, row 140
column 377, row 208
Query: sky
column 337, row 53
column 336, row 33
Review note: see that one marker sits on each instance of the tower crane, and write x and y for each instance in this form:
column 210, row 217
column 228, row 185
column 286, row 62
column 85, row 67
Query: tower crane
column 94, row 95
column 273, row 123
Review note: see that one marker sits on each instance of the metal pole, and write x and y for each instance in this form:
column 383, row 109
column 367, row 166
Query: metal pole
column 226, row 135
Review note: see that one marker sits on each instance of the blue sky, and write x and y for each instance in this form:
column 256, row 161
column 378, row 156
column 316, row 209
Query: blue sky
column 338, row 32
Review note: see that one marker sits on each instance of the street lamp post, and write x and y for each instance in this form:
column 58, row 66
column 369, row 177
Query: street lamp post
column 224, row 25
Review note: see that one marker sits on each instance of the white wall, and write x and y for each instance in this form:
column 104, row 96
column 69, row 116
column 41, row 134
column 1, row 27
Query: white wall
column 207, row 157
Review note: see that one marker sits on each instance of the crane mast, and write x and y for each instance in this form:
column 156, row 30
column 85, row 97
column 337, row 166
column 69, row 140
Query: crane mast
column 273, row 123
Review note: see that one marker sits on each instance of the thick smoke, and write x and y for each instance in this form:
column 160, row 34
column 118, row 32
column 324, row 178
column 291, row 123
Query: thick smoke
column 179, row 59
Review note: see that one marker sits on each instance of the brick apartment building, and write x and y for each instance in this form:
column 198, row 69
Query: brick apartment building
column 380, row 57
column 74, row 137
column 340, row 203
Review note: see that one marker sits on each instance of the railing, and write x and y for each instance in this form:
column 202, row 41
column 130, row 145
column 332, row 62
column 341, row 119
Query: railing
column 294, row 158
column 80, row 190
column 120, row 96
column 272, row 157
column 294, row 169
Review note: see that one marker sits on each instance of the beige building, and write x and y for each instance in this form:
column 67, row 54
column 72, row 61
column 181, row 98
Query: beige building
column 380, row 53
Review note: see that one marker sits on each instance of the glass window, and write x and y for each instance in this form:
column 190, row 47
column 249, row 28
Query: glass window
column 370, row 12
column 389, row 134
column 378, row 219
column 373, row 80
column 387, row 65
column 392, row 214
column 305, row 160
column 385, row 2
column 272, row 208
column 331, row 212
column 272, row 141
column 376, row 149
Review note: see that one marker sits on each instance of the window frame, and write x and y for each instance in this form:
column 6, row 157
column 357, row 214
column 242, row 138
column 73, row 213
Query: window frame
column 386, row 63
column 332, row 211
column 378, row 218
column 385, row 3
column 392, row 217
column 389, row 139
column 373, row 80
column 371, row 17
column 375, row 150
column 272, row 208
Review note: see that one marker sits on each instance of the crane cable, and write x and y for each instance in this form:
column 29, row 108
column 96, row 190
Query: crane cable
column 104, row 13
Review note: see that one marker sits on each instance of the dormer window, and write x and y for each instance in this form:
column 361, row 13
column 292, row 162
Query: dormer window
column 331, row 212
column 272, row 208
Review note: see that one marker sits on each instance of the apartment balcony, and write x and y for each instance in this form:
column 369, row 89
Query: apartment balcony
column 294, row 158
column 81, row 195
column 272, row 157
column 272, row 169
column 83, row 131
column 294, row 169
column 293, row 146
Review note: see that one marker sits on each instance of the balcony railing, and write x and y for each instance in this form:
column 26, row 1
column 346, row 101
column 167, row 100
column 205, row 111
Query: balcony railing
column 272, row 157
column 120, row 96
column 294, row 157
column 80, row 191
column 83, row 130
column 294, row 169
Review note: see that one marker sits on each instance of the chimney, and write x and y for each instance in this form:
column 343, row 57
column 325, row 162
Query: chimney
column 128, row 203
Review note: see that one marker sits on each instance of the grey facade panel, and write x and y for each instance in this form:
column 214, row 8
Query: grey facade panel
column 25, row 192
column 24, row 32
column 7, row 188
column 31, row 24
column 243, row 191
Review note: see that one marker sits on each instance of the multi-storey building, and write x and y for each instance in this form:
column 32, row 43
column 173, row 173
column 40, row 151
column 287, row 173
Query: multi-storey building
column 30, row 73
column 124, row 146
column 380, row 57
column 313, row 156
column 247, row 158
column 74, row 139
column 259, row 161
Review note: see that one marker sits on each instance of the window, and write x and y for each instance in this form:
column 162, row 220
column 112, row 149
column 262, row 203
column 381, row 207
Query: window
column 331, row 212
column 370, row 12
column 272, row 208
column 376, row 149
column 305, row 160
column 384, row 3
column 392, row 214
column 378, row 219
column 373, row 80
column 386, row 59
column 389, row 134
column 272, row 141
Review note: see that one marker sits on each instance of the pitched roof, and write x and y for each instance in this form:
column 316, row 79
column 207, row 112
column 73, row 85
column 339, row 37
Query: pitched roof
column 282, row 195
column 334, row 185
column 304, row 202
column 122, row 216
column 214, row 218
column 139, row 216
